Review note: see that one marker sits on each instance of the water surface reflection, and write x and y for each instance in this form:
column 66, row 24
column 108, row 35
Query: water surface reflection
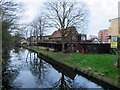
column 29, row 71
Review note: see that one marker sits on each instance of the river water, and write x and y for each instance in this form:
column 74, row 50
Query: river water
column 25, row 70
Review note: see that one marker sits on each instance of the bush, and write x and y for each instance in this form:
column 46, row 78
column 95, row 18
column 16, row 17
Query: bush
column 114, row 51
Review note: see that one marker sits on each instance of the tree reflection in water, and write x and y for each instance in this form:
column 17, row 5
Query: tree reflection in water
column 26, row 70
column 39, row 70
column 9, row 73
column 62, row 83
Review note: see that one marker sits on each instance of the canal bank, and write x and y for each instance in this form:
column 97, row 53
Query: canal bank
column 86, row 72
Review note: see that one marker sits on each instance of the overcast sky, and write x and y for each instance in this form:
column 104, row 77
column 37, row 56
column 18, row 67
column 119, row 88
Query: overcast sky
column 100, row 13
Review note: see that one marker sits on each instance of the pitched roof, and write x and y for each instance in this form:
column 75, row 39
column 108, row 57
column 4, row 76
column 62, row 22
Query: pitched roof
column 95, row 41
column 66, row 32
column 56, row 34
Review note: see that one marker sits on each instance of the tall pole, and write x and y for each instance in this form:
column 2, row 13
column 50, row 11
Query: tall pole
column 118, row 43
column 118, row 64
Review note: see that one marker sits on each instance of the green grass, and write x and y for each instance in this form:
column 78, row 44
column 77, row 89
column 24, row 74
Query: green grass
column 103, row 64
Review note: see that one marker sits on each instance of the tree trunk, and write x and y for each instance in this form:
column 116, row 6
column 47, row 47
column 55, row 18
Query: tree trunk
column 63, row 43
column 63, row 47
column 118, row 58
column 62, row 83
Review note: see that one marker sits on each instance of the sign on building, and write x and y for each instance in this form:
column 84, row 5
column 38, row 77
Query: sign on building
column 114, row 41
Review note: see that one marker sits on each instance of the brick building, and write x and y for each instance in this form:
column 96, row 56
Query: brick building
column 103, row 36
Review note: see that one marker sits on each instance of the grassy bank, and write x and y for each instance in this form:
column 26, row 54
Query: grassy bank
column 102, row 64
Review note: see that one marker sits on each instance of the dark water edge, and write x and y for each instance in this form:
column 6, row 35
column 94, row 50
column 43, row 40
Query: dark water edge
column 100, row 80
column 25, row 70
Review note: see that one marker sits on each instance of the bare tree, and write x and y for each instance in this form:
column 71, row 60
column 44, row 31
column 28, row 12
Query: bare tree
column 9, row 10
column 25, row 31
column 66, row 13
column 9, row 16
column 39, row 26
